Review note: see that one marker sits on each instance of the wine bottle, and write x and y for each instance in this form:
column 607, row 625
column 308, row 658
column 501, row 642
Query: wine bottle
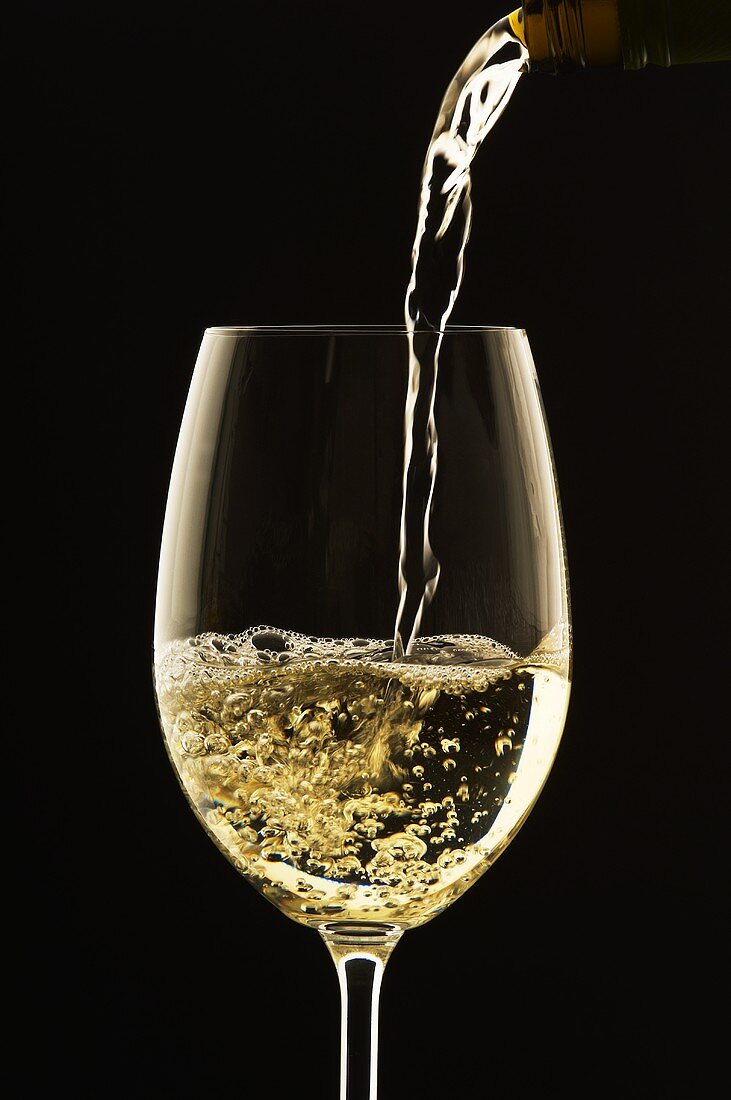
column 566, row 34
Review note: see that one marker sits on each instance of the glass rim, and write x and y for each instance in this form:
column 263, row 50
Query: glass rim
column 351, row 330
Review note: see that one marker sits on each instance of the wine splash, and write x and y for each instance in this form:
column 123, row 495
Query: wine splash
column 473, row 103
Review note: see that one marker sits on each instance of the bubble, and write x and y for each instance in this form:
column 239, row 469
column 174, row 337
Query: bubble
column 401, row 846
column 320, row 865
column 269, row 639
column 451, row 857
column 504, row 741
column 349, row 865
column 369, row 828
column 191, row 721
column 449, row 764
column 236, row 705
column 192, row 744
column 219, row 771
column 217, row 743
column 275, row 850
column 418, row 771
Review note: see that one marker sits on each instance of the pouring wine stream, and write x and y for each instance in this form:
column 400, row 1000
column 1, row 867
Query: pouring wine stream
column 473, row 103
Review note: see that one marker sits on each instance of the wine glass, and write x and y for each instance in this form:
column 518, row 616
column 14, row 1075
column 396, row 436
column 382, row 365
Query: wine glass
column 359, row 785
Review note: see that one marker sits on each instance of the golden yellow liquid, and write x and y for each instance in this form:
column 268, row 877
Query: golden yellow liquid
column 350, row 788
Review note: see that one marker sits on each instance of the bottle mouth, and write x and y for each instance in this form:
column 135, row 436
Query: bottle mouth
column 569, row 35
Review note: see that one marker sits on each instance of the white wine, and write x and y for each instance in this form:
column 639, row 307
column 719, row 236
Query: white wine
column 351, row 788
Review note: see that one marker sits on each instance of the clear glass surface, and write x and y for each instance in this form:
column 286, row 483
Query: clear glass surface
column 359, row 791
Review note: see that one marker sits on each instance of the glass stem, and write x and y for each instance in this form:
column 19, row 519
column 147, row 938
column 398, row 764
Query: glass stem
column 360, row 958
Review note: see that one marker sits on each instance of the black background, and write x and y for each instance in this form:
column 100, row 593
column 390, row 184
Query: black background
column 172, row 167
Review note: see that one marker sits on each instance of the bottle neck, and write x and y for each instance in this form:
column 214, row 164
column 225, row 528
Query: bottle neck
column 674, row 32
column 571, row 34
